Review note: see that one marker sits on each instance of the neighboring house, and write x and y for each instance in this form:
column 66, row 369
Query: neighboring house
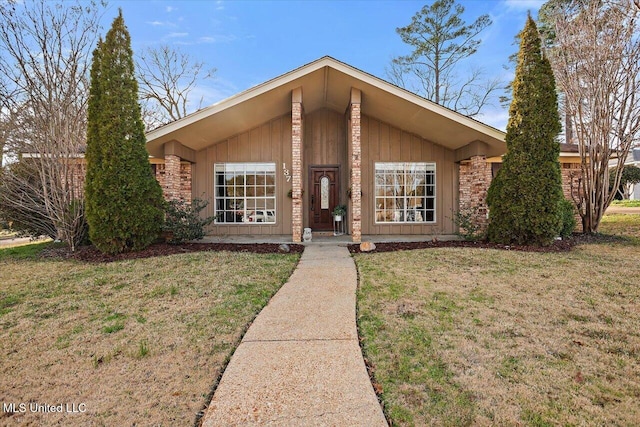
column 280, row 156
column 633, row 159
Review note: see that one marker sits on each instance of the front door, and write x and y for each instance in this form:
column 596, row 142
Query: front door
column 325, row 188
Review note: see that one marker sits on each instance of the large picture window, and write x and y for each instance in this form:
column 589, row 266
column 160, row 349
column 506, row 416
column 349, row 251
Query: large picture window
column 245, row 193
column 405, row 192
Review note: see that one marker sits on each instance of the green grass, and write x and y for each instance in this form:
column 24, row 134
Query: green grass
column 152, row 332
column 464, row 337
column 143, row 349
column 626, row 203
column 623, row 225
column 29, row 251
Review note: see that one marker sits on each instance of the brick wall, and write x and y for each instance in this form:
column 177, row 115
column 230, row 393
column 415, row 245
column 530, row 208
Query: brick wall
column 181, row 187
column 476, row 176
column 171, row 188
column 78, row 174
column 474, row 181
column 571, row 173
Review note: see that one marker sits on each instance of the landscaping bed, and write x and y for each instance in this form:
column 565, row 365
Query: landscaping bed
column 558, row 246
column 563, row 245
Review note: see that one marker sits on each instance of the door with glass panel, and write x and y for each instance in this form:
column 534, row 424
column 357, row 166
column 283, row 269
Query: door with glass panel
column 325, row 188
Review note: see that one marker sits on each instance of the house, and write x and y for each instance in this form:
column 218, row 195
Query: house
column 278, row 158
column 633, row 159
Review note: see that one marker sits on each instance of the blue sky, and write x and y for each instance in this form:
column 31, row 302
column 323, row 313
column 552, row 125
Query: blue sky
column 249, row 42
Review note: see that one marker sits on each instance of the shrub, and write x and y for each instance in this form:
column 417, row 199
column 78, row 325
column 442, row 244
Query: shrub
column 22, row 205
column 76, row 223
column 567, row 213
column 183, row 221
column 467, row 228
column 72, row 228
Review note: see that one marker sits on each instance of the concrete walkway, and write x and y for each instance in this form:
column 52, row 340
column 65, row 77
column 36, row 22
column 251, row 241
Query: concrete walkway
column 621, row 210
column 21, row 241
column 299, row 364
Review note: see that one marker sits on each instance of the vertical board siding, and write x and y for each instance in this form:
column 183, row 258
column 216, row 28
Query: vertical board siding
column 324, row 138
column 383, row 143
column 269, row 142
column 324, row 143
column 255, row 144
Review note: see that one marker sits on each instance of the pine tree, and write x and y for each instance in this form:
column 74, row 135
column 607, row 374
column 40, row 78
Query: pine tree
column 524, row 198
column 123, row 199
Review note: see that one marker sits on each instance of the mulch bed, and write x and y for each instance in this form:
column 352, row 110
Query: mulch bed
column 557, row 246
column 91, row 254
column 563, row 245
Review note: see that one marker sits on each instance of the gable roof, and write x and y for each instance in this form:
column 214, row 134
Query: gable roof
column 326, row 83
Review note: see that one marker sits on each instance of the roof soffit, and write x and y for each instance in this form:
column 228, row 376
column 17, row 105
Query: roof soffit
column 326, row 83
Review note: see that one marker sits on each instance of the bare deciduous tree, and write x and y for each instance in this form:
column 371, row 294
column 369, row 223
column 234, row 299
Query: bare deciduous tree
column 595, row 58
column 167, row 78
column 441, row 40
column 45, row 57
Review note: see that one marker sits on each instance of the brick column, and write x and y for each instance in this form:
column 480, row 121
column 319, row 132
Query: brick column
column 296, row 164
column 172, row 177
column 475, row 178
column 356, row 166
column 185, row 182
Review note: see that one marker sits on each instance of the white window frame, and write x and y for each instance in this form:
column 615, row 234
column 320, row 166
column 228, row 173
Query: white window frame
column 248, row 202
column 390, row 188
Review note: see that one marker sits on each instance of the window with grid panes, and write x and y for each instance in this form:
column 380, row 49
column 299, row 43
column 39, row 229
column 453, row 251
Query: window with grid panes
column 405, row 192
column 245, row 193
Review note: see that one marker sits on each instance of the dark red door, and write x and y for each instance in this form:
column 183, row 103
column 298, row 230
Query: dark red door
column 325, row 187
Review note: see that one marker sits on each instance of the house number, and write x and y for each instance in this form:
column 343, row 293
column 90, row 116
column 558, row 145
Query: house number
column 287, row 175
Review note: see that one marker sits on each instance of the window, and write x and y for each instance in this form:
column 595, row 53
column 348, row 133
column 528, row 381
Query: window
column 405, row 192
column 245, row 193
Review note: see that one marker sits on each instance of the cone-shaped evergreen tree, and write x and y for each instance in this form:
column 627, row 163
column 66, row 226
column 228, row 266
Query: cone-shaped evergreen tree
column 123, row 199
column 524, row 198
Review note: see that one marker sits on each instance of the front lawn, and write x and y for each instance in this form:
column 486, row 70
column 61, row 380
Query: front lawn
column 138, row 342
column 625, row 225
column 626, row 203
column 461, row 336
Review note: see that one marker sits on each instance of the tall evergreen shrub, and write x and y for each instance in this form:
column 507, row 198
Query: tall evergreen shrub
column 524, row 198
column 123, row 199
